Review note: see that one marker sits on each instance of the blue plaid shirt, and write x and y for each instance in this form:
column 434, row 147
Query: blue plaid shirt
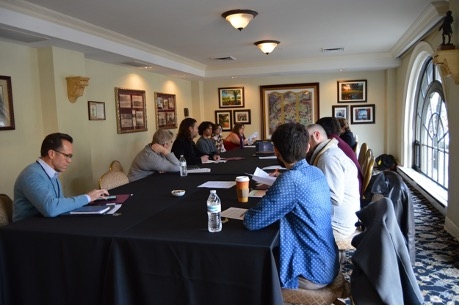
column 300, row 200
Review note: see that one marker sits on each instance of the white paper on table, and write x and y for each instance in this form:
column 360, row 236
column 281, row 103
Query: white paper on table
column 215, row 161
column 274, row 167
column 234, row 213
column 268, row 157
column 114, row 209
column 218, row 184
column 260, row 176
column 198, row 170
column 257, row 193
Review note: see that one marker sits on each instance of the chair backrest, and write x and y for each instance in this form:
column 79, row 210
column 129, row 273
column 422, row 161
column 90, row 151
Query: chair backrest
column 230, row 145
column 362, row 154
column 367, row 169
column 116, row 165
column 355, row 148
column 112, row 179
column 6, row 210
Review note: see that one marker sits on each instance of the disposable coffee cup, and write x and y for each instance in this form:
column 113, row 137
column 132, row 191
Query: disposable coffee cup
column 242, row 188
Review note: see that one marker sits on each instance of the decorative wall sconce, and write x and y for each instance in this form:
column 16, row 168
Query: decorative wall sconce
column 239, row 18
column 76, row 87
column 267, row 46
column 447, row 60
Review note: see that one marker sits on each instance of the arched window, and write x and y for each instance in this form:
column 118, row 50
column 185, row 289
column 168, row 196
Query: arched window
column 431, row 145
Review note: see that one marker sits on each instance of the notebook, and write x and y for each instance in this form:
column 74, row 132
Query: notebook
column 91, row 210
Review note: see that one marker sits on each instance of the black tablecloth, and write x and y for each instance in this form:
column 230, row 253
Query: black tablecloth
column 157, row 251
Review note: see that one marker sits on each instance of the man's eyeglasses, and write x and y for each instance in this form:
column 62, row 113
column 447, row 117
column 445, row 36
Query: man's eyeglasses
column 68, row 156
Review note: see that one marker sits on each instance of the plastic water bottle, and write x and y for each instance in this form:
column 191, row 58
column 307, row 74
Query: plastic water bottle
column 214, row 221
column 183, row 166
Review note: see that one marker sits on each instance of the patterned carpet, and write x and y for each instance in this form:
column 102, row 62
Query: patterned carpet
column 436, row 267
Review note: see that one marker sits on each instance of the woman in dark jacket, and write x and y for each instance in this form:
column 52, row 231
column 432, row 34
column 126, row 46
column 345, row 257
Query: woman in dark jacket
column 346, row 134
column 184, row 144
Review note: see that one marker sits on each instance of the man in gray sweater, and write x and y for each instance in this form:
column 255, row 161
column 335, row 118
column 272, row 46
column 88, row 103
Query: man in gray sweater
column 156, row 157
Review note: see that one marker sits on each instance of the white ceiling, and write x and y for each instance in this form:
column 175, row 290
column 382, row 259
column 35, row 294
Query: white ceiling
column 181, row 37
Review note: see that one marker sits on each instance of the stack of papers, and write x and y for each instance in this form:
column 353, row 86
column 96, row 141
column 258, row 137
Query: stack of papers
column 198, row 170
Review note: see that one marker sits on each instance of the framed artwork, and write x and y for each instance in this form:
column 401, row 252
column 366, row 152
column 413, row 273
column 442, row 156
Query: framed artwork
column 340, row 111
column 131, row 110
column 96, row 110
column 362, row 114
column 288, row 103
column 242, row 116
column 6, row 104
column 231, row 97
column 224, row 118
column 352, row 91
column 165, row 110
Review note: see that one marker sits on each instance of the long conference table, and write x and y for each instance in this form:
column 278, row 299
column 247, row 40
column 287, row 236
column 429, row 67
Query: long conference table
column 156, row 251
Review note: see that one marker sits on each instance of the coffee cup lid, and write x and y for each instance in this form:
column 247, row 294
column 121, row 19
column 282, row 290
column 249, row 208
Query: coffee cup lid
column 242, row 178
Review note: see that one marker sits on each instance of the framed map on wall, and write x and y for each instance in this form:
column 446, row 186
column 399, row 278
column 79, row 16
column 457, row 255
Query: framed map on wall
column 288, row 103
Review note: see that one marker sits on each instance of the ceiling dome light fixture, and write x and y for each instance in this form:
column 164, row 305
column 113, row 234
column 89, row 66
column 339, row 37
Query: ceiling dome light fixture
column 267, row 46
column 239, row 18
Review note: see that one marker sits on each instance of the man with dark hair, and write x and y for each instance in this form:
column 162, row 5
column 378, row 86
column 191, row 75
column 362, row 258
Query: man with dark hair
column 300, row 200
column 38, row 189
column 332, row 127
column 205, row 143
column 184, row 144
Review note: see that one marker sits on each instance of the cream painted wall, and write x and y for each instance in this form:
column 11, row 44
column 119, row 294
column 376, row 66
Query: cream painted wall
column 106, row 145
column 21, row 146
column 373, row 134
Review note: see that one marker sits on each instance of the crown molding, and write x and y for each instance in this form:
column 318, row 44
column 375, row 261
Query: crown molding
column 425, row 22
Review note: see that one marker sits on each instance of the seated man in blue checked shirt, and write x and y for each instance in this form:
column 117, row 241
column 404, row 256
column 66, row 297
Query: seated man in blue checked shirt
column 300, row 200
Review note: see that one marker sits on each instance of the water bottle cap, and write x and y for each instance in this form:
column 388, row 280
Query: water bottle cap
column 212, row 191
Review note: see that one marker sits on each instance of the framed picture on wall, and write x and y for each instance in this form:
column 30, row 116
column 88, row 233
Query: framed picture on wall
column 231, row 97
column 131, row 110
column 362, row 114
column 96, row 110
column 242, row 116
column 224, row 118
column 352, row 91
column 340, row 111
column 288, row 103
column 6, row 104
column 165, row 110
